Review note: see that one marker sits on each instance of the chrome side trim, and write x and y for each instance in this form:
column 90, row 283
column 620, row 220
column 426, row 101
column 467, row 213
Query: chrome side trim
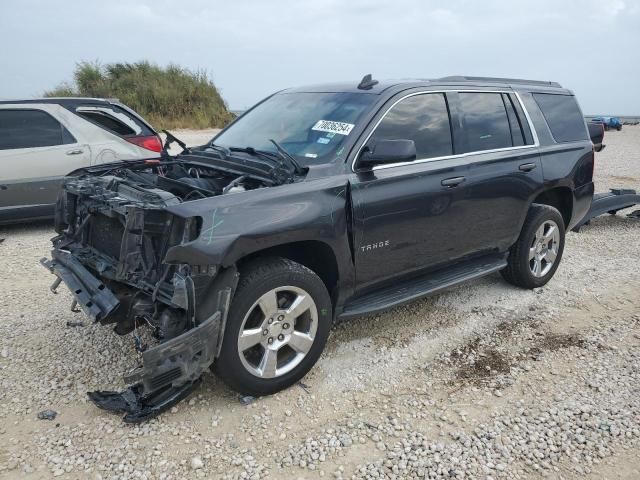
column 536, row 142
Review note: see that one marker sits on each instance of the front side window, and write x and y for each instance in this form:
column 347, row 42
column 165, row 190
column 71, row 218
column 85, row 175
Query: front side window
column 311, row 126
column 563, row 116
column 30, row 129
column 422, row 118
column 485, row 121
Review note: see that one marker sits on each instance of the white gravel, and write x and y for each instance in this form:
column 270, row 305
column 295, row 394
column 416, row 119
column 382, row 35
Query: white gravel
column 483, row 381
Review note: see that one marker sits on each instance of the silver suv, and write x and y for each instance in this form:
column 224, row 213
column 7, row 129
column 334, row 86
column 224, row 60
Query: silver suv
column 42, row 140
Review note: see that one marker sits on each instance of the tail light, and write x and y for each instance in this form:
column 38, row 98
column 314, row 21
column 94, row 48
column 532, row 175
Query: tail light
column 150, row 142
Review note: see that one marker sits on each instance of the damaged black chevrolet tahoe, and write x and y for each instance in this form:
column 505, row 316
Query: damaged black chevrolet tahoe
column 318, row 204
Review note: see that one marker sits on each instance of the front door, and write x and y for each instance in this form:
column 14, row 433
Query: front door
column 411, row 215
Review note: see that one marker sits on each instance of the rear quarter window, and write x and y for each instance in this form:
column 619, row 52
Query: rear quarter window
column 114, row 119
column 563, row 116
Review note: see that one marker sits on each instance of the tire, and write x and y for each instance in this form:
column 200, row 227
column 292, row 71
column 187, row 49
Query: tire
column 263, row 284
column 524, row 271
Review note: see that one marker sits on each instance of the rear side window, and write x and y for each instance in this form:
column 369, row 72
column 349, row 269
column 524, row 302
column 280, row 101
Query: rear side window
column 563, row 116
column 30, row 129
column 422, row 118
column 485, row 121
column 114, row 119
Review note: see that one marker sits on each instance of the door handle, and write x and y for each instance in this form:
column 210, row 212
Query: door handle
column 452, row 182
column 527, row 167
column 75, row 152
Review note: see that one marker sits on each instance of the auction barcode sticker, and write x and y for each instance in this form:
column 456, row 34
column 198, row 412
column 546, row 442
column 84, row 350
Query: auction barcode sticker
column 333, row 127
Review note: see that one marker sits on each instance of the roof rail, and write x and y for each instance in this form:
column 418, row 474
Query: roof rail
column 461, row 78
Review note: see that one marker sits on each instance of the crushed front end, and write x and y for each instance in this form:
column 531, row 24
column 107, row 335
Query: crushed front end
column 114, row 231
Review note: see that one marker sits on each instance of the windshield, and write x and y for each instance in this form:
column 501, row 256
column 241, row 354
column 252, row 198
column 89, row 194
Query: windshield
column 311, row 127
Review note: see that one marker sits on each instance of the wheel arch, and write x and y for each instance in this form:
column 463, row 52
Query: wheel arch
column 316, row 255
column 561, row 198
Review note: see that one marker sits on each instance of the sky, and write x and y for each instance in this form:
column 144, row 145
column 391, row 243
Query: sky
column 251, row 48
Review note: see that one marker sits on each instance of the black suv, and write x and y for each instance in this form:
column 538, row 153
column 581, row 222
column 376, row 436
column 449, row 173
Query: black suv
column 319, row 204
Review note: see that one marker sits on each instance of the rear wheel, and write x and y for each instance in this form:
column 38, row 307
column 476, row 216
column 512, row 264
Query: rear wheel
column 534, row 258
column 277, row 327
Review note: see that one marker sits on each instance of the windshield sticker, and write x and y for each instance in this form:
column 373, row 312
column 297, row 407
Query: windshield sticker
column 330, row 135
column 311, row 155
column 333, row 127
column 324, row 140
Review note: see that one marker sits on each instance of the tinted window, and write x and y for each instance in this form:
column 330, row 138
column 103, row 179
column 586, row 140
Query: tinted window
column 31, row 128
column 421, row 118
column 107, row 122
column 486, row 125
column 115, row 119
column 563, row 116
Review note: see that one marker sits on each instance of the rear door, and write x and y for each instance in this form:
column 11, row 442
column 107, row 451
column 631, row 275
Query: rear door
column 504, row 168
column 36, row 151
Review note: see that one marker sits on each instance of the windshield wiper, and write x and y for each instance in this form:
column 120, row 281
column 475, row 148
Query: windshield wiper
column 224, row 151
column 272, row 156
column 287, row 156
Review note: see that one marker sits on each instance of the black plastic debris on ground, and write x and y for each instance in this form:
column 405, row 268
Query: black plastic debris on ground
column 47, row 415
column 246, row 399
column 73, row 323
column 139, row 407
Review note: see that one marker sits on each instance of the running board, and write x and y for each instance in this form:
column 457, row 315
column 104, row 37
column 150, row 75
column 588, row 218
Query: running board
column 418, row 287
column 609, row 202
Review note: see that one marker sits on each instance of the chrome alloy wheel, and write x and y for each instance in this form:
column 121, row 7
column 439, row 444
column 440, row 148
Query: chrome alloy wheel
column 544, row 248
column 277, row 332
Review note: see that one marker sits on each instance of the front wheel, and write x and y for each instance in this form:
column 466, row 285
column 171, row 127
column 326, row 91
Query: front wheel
column 277, row 327
column 535, row 257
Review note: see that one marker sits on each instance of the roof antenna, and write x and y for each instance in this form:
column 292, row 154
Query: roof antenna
column 367, row 82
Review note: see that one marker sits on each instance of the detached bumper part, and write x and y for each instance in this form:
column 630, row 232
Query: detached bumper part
column 609, row 202
column 137, row 407
column 170, row 372
column 92, row 296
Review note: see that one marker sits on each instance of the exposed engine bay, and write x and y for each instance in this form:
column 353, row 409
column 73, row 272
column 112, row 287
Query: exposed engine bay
column 115, row 229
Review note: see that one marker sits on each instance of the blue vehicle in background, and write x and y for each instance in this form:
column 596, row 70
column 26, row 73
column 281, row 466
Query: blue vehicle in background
column 609, row 122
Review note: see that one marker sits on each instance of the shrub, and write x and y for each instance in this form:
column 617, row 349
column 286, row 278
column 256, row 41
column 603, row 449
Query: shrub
column 168, row 97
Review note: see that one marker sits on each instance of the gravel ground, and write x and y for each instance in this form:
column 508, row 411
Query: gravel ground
column 483, row 381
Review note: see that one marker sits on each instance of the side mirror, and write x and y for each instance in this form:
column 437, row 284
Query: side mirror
column 388, row 151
